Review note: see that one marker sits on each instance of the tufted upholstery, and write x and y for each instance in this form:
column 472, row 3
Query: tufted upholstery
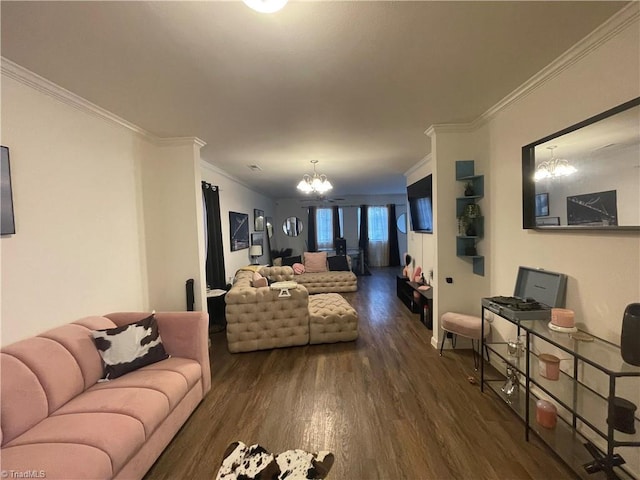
column 257, row 319
column 321, row 282
column 331, row 319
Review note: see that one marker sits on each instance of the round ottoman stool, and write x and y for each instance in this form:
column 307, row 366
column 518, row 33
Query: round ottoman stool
column 467, row 326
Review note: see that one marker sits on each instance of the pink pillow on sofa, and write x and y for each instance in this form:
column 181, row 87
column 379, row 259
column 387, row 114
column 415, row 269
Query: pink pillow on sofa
column 259, row 281
column 315, row 262
column 298, row 268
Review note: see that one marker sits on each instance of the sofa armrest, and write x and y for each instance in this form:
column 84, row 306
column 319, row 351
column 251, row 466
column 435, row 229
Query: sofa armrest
column 184, row 334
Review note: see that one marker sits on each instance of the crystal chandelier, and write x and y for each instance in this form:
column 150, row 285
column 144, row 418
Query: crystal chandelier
column 554, row 167
column 314, row 183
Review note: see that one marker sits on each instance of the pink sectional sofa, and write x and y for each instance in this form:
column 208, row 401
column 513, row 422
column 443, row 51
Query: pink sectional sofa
column 58, row 421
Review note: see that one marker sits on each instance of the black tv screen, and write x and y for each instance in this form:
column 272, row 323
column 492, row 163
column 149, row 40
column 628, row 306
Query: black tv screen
column 420, row 205
column 7, row 223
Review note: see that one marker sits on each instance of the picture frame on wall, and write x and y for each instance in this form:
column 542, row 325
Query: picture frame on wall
column 257, row 239
column 542, row 205
column 258, row 220
column 7, row 220
column 239, row 230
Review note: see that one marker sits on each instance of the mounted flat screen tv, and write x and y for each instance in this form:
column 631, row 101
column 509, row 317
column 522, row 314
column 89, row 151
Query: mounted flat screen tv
column 421, row 205
column 7, row 223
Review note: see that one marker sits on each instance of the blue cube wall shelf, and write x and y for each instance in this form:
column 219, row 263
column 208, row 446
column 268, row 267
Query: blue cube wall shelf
column 466, row 244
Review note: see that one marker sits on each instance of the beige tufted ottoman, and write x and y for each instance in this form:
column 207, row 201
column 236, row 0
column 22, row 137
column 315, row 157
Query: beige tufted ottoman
column 331, row 319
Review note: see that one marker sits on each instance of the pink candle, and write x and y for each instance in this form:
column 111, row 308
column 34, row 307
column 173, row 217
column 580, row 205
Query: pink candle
column 546, row 414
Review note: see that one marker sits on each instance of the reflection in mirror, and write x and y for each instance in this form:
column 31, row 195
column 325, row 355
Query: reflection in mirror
column 586, row 176
column 292, row 226
column 269, row 226
column 401, row 223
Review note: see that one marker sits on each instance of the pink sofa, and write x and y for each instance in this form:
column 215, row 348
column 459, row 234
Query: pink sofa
column 58, row 421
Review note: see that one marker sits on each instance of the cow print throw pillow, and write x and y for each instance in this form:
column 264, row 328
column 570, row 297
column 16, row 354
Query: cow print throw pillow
column 255, row 463
column 129, row 347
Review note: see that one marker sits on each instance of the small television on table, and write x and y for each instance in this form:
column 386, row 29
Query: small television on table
column 419, row 195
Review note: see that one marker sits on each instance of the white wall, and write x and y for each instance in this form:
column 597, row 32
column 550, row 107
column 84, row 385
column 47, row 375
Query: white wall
column 237, row 197
column 603, row 267
column 174, row 228
column 79, row 245
column 108, row 217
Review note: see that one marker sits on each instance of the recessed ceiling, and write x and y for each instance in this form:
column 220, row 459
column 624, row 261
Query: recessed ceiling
column 351, row 84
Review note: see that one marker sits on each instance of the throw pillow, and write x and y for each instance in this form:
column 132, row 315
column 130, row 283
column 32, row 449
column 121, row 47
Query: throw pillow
column 259, row 281
column 338, row 263
column 298, row 268
column 289, row 261
column 315, row 262
column 129, row 347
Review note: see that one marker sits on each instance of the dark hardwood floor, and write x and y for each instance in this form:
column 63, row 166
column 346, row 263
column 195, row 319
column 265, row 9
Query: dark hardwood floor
column 388, row 406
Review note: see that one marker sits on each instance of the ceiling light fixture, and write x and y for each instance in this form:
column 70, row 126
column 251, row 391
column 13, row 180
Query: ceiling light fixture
column 265, row 6
column 554, row 167
column 314, row 183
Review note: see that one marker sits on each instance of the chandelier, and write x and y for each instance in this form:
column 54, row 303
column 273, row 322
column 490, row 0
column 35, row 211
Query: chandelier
column 265, row 6
column 553, row 168
column 314, row 183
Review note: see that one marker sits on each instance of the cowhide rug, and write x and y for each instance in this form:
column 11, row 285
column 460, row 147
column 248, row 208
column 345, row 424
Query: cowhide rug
column 255, row 463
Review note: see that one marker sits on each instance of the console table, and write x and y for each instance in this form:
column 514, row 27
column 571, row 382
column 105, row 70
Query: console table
column 425, row 299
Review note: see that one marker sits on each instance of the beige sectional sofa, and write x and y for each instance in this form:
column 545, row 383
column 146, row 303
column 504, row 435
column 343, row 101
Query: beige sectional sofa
column 59, row 422
column 319, row 282
column 260, row 318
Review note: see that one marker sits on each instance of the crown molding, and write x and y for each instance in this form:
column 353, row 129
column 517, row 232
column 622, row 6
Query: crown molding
column 208, row 166
column 178, row 141
column 425, row 160
column 30, row 79
column 449, row 128
column 601, row 35
column 41, row 84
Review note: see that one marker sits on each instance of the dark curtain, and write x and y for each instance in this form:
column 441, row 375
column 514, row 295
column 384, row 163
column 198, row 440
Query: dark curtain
column 364, row 233
column 394, row 249
column 216, row 277
column 336, row 223
column 312, row 244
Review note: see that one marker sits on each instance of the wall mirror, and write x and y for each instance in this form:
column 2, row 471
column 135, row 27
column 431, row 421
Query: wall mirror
column 401, row 223
column 269, row 226
column 586, row 176
column 292, row 226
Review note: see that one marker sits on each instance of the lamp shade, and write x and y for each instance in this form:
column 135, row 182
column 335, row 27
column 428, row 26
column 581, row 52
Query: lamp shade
column 255, row 250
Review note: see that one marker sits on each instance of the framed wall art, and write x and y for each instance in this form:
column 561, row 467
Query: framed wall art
column 258, row 220
column 239, row 230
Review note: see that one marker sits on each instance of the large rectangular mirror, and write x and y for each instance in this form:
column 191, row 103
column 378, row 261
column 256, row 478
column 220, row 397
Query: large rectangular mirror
column 586, row 176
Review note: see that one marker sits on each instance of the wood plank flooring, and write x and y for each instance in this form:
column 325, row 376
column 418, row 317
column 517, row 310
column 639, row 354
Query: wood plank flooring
column 388, row 406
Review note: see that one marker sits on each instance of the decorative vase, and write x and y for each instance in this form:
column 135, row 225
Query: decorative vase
column 630, row 336
column 468, row 190
column 470, row 231
column 472, row 210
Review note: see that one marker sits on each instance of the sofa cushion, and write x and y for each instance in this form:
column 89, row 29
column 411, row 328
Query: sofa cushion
column 173, row 378
column 149, row 407
column 338, row 263
column 315, row 262
column 126, row 434
column 59, row 460
column 129, row 347
column 298, row 268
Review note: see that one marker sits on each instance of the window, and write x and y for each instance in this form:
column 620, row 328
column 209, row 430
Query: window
column 378, row 230
column 324, row 227
column 378, row 220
